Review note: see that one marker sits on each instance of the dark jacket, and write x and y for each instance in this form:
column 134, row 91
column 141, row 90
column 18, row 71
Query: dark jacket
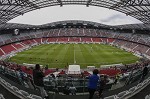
column 145, row 71
column 102, row 84
column 93, row 81
column 38, row 77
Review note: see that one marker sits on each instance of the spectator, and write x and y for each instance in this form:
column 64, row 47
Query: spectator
column 72, row 89
column 38, row 80
column 116, row 79
column 102, row 85
column 66, row 90
column 46, row 70
column 22, row 76
column 144, row 73
column 56, row 90
column 46, row 67
column 92, row 83
column 30, row 82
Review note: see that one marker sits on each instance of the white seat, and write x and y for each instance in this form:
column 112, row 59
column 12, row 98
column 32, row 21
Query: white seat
column 148, row 78
column 110, row 97
column 132, row 89
column 8, row 85
column 121, row 94
column 139, row 85
column 147, row 97
column 1, row 96
column 24, row 93
column 3, row 81
column 35, row 97
column 145, row 81
column 14, row 88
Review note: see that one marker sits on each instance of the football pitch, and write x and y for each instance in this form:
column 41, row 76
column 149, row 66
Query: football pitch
column 62, row 55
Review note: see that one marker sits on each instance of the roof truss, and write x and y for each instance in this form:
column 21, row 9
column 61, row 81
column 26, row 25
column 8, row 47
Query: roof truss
column 139, row 9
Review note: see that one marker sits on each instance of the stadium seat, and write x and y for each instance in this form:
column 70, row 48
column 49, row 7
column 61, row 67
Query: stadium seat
column 3, row 81
column 8, row 85
column 122, row 94
column 1, row 96
column 139, row 85
column 34, row 97
column 147, row 97
column 14, row 88
column 131, row 90
column 148, row 79
column 111, row 97
column 24, row 93
column 145, row 82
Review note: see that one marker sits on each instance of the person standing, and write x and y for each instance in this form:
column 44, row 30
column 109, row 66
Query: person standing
column 92, row 83
column 38, row 80
column 102, row 85
column 144, row 73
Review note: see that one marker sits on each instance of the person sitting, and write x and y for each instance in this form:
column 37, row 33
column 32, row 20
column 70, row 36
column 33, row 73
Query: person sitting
column 66, row 90
column 30, row 82
column 72, row 90
column 22, row 76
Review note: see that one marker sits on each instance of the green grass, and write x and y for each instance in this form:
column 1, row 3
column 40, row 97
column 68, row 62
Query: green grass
column 61, row 55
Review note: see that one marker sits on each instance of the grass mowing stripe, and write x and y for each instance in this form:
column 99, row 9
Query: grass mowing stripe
column 88, row 54
column 79, row 52
column 61, row 55
column 85, row 55
column 67, row 56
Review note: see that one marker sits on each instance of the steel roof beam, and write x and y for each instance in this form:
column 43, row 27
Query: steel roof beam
column 60, row 2
column 12, row 11
column 138, row 13
column 88, row 3
column 19, row 3
column 125, row 3
column 129, row 7
column 4, row 18
column 31, row 4
column 137, row 3
column 118, row 4
column 11, row 2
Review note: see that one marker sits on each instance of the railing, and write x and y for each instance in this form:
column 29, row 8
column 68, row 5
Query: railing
column 79, row 83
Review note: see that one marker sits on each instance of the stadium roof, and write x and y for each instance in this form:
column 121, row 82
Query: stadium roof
column 134, row 26
column 73, row 23
column 15, row 26
column 53, row 24
column 139, row 9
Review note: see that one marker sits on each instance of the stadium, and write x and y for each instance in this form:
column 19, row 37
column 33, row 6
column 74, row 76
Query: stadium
column 69, row 51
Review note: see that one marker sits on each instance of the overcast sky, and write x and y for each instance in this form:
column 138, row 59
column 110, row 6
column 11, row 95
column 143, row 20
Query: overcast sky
column 74, row 12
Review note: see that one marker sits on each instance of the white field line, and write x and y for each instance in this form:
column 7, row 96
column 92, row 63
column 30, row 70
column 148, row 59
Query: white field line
column 74, row 56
